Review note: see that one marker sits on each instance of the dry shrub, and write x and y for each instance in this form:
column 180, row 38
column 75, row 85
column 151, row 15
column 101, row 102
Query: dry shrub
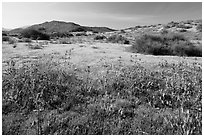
column 169, row 44
column 118, row 39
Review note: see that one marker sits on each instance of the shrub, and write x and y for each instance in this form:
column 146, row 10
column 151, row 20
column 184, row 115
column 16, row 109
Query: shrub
column 4, row 33
column 34, row 34
column 118, row 39
column 27, row 40
column 81, row 34
column 99, row 37
column 9, row 39
column 61, row 35
column 122, row 31
column 12, row 41
column 20, row 40
column 64, row 41
column 164, row 32
column 183, row 30
column 5, row 38
column 79, row 29
column 184, row 26
column 199, row 27
column 187, row 49
column 169, row 44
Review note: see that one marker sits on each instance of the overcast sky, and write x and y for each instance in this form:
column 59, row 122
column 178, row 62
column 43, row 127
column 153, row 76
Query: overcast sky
column 114, row 15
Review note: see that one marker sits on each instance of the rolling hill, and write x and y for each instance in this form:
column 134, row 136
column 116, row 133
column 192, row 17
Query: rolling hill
column 62, row 27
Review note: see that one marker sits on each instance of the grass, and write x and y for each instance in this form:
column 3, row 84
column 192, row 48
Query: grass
column 34, row 45
column 166, row 44
column 48, row 97
column 64, row 41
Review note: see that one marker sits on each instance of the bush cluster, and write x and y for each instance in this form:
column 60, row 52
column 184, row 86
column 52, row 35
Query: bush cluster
column 118, row 39
column 99, row 37
column 9, row 39
column 168, row 44
column 64, row 41
column 5, row 38
column 34, row 34
column 61, row 35
column 81, row 34
column 199, row 27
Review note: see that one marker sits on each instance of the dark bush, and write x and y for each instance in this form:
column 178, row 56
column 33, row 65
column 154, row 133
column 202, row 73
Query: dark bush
column 122, row 31
column 199, row 27
column 169, row 44
column 80, row 29
column 5, row 38
column 81, row 34
column 99, row 37
column 187, row 49
column 4, row 33
column 183, row 30
column 10, row 40
column 118, row 39
column 61, row 35
column 41, row 29
column 34, row 34
column 184, row 26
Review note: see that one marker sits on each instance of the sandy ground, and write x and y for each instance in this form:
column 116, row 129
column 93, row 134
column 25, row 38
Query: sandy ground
column 90, row 54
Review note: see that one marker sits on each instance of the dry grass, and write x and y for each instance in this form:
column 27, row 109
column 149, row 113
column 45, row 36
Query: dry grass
column 68, row 89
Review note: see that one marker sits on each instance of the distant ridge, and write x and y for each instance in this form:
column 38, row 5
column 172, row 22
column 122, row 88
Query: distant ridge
column 62, row 27
column 5, row 29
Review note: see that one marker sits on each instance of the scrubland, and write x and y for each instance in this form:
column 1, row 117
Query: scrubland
column 101, row 85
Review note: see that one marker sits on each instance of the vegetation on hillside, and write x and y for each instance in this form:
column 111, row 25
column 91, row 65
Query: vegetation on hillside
column 34, row 34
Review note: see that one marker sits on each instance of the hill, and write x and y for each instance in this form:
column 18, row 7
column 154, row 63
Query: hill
column 62, row 27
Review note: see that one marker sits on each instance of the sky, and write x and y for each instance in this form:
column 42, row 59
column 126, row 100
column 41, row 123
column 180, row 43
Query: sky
column 116, row 15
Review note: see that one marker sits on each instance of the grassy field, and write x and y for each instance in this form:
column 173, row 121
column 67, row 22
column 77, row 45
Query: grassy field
column 99, row 88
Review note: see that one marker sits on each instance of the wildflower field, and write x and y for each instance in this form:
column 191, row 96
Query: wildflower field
column 99, row 89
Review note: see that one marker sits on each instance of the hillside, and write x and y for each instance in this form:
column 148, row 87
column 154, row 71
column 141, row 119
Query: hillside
column 62, row 27
column 191, row 29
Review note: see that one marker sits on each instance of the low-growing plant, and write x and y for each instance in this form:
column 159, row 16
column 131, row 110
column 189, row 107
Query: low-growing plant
column 34, row 45
column 12, row 41
column 27, row 40
column 130, row 100
column 183, row 26
column 64, row 41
